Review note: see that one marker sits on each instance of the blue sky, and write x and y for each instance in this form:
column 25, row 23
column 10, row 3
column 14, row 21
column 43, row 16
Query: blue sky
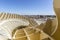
column 27, row 7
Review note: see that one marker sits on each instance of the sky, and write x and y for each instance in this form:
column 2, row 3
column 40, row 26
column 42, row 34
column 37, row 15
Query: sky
column 27, row 7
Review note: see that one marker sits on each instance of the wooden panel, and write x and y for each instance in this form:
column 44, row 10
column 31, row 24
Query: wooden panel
column 57, row 11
